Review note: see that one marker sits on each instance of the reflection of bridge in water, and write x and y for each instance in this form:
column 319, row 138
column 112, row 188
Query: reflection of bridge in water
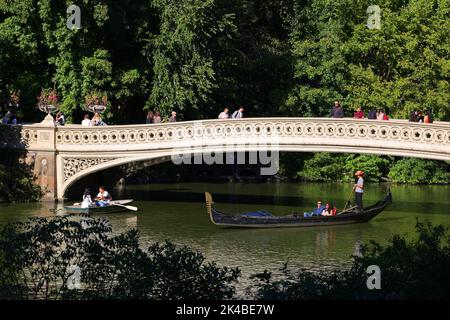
column 62, row 155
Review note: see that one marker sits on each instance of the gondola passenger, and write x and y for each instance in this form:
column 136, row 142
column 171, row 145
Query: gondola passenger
column 329, row 210
column 316, row 212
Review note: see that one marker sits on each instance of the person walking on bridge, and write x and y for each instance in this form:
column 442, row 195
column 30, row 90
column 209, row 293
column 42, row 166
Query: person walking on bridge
column 359, row 190
column 238, row 114
column 173, row 117
column 224, row 114
column 337, row 111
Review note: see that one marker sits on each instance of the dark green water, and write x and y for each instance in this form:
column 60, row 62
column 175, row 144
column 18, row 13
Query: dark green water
column 177, row 212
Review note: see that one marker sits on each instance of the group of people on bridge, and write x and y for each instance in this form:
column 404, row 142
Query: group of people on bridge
column 337, row 111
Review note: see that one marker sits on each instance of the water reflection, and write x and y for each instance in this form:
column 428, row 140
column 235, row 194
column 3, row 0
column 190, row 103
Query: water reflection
column 177, row 212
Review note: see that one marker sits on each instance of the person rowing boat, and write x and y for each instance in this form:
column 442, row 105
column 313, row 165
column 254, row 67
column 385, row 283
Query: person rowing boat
column 103, row 197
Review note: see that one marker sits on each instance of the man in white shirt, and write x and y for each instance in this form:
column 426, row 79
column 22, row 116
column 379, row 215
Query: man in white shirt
column 359, row 190
column 103, row 197
column 224, row 114
column 86, row 121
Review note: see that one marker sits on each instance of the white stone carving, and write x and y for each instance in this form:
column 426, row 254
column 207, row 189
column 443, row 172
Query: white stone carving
column 74, row 165
column 281, row 127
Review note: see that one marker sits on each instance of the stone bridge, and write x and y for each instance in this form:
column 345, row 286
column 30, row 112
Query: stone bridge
column 62, row 155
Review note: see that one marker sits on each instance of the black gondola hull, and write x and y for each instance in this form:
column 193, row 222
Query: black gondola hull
column 345, row 217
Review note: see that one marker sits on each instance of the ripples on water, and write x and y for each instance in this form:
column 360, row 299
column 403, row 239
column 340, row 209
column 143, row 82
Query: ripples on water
column 177, row 212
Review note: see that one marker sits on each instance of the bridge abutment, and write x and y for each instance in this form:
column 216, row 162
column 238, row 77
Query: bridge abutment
column 41, row 156
column 45, row 173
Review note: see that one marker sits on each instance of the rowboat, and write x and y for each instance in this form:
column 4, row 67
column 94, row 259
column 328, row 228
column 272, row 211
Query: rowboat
column 112, row 207
column 264, row 219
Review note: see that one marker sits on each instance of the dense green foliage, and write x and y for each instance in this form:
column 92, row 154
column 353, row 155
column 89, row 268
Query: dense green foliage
column 276, row 57
column 16, row 179
column 402, row 66
column 323, row 167
column 39, row 258
column 409, row 270
column 341, row 167
column 411, row 170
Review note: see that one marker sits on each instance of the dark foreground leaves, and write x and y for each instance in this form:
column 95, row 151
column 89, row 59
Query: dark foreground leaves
column 39, row 259
column 59, row 258
column 416, row 269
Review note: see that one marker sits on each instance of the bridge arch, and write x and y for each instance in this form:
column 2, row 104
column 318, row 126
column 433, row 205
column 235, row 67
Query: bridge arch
column 78, row 151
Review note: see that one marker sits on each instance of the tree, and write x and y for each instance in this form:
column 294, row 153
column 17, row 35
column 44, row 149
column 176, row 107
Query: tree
column 106, row 54
column 415, row 171
column 184, row 75
column 58, row 258
column 399, row 67
column 323, row 167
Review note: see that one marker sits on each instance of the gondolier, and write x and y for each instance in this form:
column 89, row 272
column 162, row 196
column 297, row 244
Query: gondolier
column 359, row 190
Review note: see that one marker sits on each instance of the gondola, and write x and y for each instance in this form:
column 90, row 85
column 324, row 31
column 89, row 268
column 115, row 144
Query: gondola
column 113, row 207
column 264, row 219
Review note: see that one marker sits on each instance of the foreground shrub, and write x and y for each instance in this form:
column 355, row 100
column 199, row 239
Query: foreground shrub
column 415, row 269
column 62, row 259
column 44, row 259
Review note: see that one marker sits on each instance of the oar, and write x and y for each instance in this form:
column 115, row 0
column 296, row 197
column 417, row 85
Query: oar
column 348, row 201
column 128, row 207
column 132, row 208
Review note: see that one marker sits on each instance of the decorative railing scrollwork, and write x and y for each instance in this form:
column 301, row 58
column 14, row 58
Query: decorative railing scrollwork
column 279, row 127
column 72, row 166
column 425, row 140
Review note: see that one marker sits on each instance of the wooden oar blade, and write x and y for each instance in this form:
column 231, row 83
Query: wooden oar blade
column 131, row 208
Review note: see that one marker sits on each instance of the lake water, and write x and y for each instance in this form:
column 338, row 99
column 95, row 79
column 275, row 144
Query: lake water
column 177, row 212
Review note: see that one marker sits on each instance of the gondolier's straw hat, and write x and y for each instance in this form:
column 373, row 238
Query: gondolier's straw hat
column 359, row 173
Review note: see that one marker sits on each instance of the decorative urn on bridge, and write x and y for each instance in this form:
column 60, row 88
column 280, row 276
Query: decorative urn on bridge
column 96, row 102
column 48, row 103
column 12, row 102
